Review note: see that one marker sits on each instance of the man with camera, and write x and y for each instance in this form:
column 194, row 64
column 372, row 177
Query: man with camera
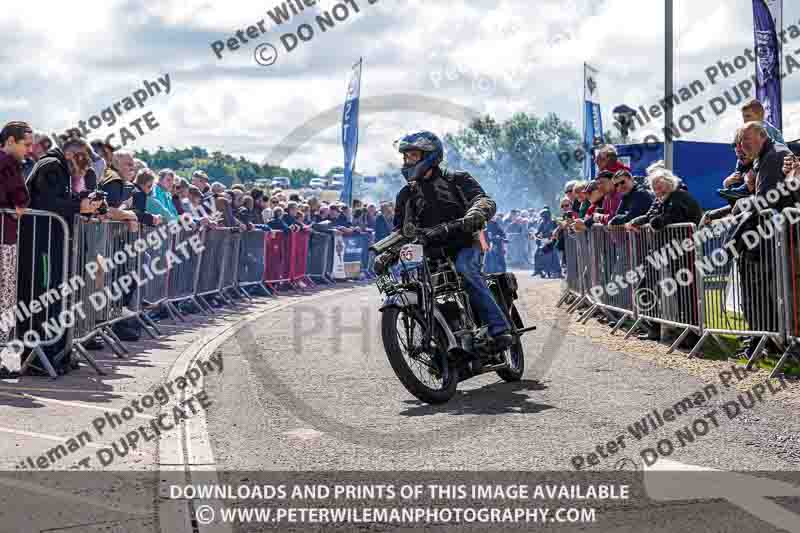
column 50, row 186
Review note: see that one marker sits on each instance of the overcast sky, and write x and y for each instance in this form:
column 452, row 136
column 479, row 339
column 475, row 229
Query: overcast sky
column 66, row 61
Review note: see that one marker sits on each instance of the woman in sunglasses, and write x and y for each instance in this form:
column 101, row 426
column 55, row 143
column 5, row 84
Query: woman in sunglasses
column 636, row 200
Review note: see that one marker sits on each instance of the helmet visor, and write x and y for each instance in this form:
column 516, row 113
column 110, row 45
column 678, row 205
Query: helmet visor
column 417, row 143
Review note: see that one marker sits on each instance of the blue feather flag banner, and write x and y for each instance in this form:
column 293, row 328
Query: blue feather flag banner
column 592, row 120
column 350, row 132
column 767, row 17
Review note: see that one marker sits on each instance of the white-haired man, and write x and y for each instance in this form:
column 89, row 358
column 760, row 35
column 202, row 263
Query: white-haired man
column 116, row 182
column 217, row 188
column 672, row 206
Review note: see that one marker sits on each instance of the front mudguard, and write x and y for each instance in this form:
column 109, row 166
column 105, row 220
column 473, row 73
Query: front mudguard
column 409, row 299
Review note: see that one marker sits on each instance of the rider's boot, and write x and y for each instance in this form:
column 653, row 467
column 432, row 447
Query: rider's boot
column 494, row 344
column 501, row 342
column 476, row 364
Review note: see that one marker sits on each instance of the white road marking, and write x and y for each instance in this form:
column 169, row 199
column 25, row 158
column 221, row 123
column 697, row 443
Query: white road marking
column 748, row 492
column 200, row 457
column 71, row 391
column 44, row 436
column 303, row 433
column 71, row 404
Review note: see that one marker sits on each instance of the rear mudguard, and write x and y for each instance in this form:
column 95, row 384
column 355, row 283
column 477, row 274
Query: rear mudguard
column 407, row 299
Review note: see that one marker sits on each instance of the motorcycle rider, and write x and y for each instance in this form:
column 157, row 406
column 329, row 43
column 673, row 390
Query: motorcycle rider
column 450, row 208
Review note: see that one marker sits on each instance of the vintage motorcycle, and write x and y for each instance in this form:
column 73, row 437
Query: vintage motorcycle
column 430, row 334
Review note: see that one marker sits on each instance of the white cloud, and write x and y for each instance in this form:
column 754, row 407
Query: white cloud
column 68, row 61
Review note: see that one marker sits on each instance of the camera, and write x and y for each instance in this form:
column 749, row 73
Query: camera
column 98, row 196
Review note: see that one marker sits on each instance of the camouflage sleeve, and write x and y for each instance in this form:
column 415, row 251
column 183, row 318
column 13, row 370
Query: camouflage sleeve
column 478, row 202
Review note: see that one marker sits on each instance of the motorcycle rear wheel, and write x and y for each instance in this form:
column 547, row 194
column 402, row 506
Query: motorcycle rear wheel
column 515, row 353
column 396, row 324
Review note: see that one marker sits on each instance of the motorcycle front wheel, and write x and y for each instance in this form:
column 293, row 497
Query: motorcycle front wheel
column 426, row 372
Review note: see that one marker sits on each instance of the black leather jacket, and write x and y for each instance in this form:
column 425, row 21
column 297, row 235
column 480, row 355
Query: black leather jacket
column 444, row 197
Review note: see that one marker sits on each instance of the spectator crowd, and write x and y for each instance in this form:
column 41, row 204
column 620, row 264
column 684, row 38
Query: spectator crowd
column 764, row 172
column 69, row 176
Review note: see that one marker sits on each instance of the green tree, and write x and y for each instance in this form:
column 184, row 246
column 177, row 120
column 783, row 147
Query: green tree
column 219, row 166
column 334, row 170
column 517, row 161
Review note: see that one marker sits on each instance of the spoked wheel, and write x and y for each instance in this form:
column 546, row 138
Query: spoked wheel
column 514, row 355
column 425, row 371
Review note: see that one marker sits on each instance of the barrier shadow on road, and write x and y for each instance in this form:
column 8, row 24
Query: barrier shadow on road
column 84, row 386
column 32, row 392
column 499, row 398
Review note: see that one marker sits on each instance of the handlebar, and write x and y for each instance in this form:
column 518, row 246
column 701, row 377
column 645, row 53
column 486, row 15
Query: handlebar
column 391, row 241
column 399, row 238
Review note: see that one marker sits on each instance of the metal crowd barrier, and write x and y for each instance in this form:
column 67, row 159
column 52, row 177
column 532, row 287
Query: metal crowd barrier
column 118, row 275
column 667, row 287
column 612, row 251
column 155, row 290
column 183, row 277
column 320, row 257
column 108, row 271
column 742, row 297
column 286, row 260
column 298, row 258
column 572, row 280
column 212, row 266
column 251, row 260
column 276, row 260
column 584, row 269
column 90, row 244
column 697, row 279
column 790, row 240
column 34, row 309
column 586, row 266
column 230, row 267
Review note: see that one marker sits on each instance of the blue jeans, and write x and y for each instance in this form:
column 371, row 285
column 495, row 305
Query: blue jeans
column 495, row 262
column 469, row 266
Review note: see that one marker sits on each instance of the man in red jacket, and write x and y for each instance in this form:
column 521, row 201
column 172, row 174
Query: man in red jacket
column 608, row 165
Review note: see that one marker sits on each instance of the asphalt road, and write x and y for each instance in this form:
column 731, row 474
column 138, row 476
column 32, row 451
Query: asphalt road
column 308, row 388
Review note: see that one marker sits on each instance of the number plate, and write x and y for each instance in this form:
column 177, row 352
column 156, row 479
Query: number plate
column 410, row 261
column 411, row 255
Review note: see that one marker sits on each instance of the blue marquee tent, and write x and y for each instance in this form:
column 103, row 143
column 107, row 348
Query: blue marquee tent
column 701, row 165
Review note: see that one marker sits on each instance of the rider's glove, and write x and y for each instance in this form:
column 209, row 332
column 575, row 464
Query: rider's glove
column 473, row 221
column 384, row 261
column 436, row 233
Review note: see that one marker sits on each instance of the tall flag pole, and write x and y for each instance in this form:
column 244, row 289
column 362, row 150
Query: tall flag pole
column 669, row 57
column 350, row 131
column 767, row 18
column 592, row 120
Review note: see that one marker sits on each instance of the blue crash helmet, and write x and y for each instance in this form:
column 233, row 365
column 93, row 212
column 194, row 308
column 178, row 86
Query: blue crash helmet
column 426, row 142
